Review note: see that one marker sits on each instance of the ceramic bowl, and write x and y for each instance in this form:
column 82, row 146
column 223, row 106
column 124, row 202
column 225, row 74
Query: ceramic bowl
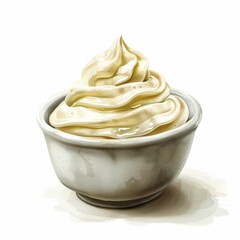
column 119, row 173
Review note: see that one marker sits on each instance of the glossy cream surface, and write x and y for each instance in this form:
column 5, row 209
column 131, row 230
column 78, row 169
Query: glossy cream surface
column 119, row 97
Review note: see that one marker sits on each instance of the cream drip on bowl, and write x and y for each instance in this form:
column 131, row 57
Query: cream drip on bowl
column 119, row 97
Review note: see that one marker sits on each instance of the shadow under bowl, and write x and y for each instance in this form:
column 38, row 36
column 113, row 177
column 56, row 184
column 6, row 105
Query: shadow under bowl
column 119, row 173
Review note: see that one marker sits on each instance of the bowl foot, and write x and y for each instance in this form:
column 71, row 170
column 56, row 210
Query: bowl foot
column 117, row 204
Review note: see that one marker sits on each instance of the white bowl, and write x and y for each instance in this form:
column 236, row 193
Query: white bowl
column 119, row 172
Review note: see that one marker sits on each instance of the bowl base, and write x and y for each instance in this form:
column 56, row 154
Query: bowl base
column 117, row 204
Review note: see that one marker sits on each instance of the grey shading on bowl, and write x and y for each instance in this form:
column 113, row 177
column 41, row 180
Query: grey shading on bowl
column 119, row 173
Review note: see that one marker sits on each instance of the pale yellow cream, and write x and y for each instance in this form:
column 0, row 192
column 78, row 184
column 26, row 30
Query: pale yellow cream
column 119, row 97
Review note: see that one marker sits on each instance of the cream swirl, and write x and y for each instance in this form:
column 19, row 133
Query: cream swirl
column 119, row 97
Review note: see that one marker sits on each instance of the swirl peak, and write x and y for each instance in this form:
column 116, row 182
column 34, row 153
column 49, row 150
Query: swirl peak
column 119, row 64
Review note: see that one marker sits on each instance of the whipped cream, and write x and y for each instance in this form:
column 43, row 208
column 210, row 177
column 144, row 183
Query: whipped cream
column 119, row 97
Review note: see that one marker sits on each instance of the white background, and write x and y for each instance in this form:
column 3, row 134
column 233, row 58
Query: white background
column 43, row 47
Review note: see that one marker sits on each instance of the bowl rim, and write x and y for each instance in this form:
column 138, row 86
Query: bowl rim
column 91, row 142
